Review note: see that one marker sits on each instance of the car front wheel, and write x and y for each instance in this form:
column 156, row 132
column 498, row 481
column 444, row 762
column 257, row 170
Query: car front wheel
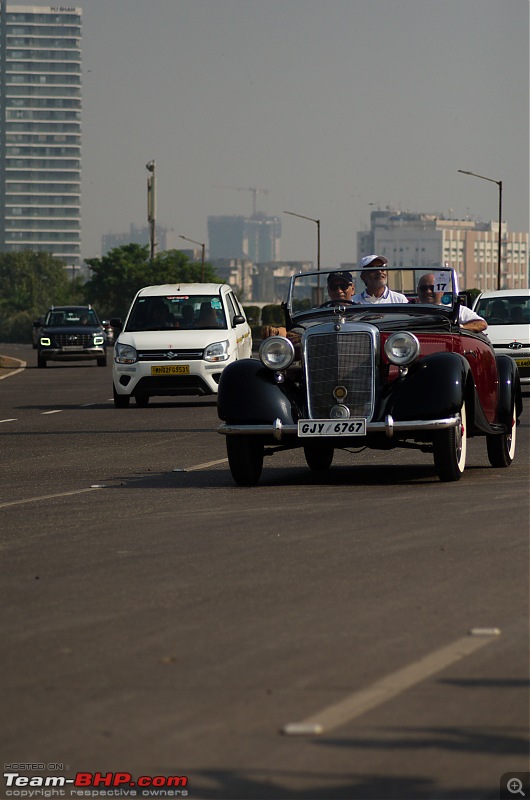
column 245, row 458
column 449, row 448
column 501, row 448
column 142, row 400
column 41, row 362
column 120, row 400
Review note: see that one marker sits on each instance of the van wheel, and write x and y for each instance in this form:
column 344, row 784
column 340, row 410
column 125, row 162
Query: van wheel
column 120, row 400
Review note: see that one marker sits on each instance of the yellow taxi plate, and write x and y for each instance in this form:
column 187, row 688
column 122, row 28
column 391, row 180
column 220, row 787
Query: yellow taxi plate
column 522, row 362
column 171, row 369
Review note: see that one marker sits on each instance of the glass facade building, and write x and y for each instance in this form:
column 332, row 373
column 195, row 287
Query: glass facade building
column 40, row 130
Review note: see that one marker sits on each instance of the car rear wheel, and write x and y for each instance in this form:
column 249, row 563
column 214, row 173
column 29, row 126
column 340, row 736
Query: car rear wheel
column 120, row 400
column 245, row 458
column 319, row 456
column 501, row 448
column 142, row 400
column 450, row 447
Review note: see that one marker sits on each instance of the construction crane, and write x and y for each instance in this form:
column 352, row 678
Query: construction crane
column 254, row 189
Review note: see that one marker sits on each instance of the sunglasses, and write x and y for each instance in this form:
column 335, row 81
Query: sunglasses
column 425, row 286
column 336, row 286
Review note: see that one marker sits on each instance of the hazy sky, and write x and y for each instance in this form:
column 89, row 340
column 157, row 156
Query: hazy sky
column 329, row 105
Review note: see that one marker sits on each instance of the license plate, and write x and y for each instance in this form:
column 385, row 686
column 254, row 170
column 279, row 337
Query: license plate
column 522, row 362
column 72, row 347
column 171, row 369
column 332, row 427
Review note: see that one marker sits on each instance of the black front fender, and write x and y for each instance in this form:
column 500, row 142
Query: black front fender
column 509, row 390
column 248, row 393
column 434, row 387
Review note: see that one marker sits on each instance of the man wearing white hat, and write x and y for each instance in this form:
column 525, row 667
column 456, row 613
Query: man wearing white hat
column 374, row 276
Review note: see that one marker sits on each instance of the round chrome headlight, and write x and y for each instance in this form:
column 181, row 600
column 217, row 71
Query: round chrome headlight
column 402, row 348
column 276, row 352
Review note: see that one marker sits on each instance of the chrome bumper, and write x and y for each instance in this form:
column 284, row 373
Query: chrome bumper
column 388, row 427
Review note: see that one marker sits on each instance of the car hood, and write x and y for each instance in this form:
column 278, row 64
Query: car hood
column 172, row 339
column 504, row 334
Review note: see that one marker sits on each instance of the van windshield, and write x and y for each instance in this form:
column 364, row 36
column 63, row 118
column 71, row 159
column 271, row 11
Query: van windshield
column 504, row 310
column 180, row 312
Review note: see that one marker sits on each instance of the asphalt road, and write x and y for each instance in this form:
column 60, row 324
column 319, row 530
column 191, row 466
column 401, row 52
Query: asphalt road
column 160, row 621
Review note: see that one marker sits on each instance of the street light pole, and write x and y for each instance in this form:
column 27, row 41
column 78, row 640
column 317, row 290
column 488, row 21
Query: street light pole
column 151, row 205
column 318, row 232
column 499, row 184
column 202, row 260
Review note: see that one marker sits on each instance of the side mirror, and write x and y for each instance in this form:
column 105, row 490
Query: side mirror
column 117, row 323
column 239, row 319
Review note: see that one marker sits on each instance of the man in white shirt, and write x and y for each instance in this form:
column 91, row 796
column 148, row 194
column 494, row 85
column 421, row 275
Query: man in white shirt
column 466, row 317
column 374, row 276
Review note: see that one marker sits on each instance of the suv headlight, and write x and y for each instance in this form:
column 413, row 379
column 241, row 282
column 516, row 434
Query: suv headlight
column 217, row 351
column 276, row 352
column 402, row 348
column 125, row 354
column 98, row 339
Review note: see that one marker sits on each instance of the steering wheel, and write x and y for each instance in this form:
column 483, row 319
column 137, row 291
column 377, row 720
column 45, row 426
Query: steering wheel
column 333, row 303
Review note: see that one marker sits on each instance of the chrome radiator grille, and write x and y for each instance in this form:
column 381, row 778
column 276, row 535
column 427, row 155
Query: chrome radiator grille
column 339, row 359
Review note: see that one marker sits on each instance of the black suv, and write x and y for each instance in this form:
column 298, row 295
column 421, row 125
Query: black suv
column 72, row 333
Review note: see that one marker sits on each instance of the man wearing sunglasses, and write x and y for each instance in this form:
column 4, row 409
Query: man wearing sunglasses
column 340, row 286
column 466, row 318
column 374, row 276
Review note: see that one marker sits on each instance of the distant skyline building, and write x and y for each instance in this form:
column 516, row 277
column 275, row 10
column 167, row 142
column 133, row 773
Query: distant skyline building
column 431, row 240
column 255, row 238
column 40, row 130
column 165, row 238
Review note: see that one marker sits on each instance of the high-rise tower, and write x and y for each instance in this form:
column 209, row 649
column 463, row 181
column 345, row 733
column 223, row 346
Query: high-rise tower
column 40, row 130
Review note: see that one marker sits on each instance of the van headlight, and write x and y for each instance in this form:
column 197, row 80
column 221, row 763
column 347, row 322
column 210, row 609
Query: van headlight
column 402, row 348
column 217, row 351
column 125, row 354
column 276, row 352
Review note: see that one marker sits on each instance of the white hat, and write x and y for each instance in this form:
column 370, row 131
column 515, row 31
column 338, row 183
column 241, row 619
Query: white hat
column 367, row 260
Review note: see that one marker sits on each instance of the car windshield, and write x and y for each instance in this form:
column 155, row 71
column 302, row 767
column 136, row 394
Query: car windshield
column 504, row 310
column 182, row 312
column 428, row 289
column 71, row 316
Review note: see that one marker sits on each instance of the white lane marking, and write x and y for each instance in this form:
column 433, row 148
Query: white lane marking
column 202, row 466
column 48, row 497
column 13, row 419
column 379, row 692
column 57, row 411
column 15, row 371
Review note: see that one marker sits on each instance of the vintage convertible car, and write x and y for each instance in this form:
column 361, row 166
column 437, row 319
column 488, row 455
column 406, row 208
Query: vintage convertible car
column 376, row 375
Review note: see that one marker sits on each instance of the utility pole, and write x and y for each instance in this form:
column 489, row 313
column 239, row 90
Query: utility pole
column 151, row 205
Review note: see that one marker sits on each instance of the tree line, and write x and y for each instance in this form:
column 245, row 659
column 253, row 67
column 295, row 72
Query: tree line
column 31, row 282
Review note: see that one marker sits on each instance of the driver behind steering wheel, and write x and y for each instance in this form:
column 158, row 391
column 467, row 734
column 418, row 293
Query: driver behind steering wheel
column 340, row 287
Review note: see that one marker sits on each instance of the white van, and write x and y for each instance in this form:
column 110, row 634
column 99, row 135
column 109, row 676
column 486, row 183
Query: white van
column 177, row 339
column 507, row 312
